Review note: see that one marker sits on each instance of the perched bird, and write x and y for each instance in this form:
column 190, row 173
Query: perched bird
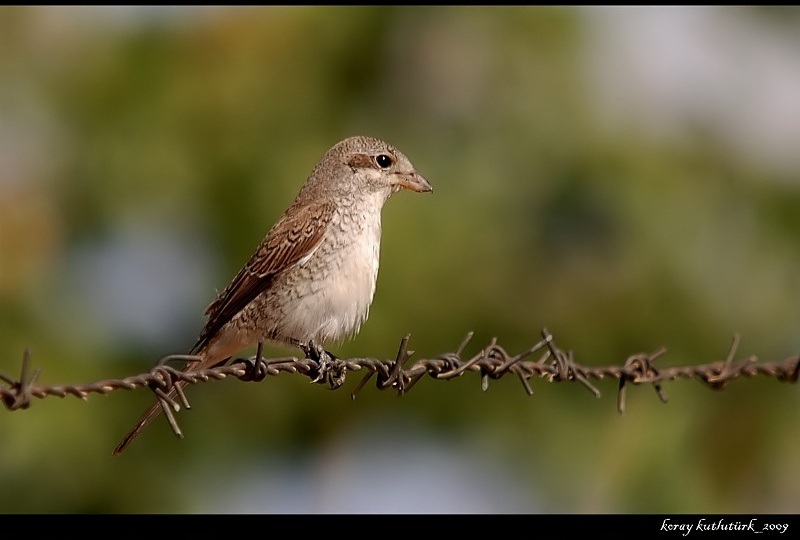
column 312, row 278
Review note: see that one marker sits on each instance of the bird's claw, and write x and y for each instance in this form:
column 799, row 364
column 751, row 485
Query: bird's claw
column 331, row 370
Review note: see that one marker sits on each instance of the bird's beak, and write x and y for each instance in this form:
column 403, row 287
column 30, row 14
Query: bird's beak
column 414, row 182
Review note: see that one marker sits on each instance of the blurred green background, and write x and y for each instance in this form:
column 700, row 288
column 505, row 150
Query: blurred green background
column 628, row 178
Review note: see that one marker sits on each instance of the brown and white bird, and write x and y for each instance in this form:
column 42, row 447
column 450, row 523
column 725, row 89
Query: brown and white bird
column 313, row 276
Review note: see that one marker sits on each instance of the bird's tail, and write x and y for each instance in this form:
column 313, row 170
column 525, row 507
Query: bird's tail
column 149, row 415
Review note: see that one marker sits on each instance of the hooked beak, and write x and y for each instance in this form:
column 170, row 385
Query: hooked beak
column 414, row 182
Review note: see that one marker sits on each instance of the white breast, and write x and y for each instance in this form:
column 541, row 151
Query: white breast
column 333, row 307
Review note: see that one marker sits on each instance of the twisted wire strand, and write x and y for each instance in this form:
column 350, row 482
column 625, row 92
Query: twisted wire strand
column 491, row 362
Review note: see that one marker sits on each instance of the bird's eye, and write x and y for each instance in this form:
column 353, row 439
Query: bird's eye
column 384, row 161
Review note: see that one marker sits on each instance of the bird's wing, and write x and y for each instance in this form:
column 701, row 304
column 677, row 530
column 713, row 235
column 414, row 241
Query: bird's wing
column 295, row 236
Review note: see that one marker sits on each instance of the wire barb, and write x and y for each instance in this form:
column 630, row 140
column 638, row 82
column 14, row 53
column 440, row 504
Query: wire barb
column 640, row 369
column 20, row 395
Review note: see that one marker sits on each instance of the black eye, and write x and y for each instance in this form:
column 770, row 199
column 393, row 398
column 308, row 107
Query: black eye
column 384, row 161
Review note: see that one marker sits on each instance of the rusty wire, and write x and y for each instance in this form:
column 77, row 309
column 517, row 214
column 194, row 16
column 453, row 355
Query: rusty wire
column 491, row 362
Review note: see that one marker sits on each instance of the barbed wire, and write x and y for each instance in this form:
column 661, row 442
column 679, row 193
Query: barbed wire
column 491, row 362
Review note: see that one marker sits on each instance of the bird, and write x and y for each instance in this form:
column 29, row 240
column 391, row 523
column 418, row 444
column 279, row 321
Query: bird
column 312, row 278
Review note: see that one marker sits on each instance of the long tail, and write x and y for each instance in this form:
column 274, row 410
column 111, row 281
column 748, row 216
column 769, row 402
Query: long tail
column 149, row 415
column 194, row 362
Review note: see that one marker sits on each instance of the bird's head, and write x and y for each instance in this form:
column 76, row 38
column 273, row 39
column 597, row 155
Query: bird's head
column 370, row 165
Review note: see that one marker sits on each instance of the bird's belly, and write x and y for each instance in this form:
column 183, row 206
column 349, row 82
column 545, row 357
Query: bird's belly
column 334, row 304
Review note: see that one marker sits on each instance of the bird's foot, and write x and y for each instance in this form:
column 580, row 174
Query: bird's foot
column 331, row 370
column 257, row 368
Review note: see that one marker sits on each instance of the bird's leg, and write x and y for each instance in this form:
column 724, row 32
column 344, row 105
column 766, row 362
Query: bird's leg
column 257, row 369
column 331, row 369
